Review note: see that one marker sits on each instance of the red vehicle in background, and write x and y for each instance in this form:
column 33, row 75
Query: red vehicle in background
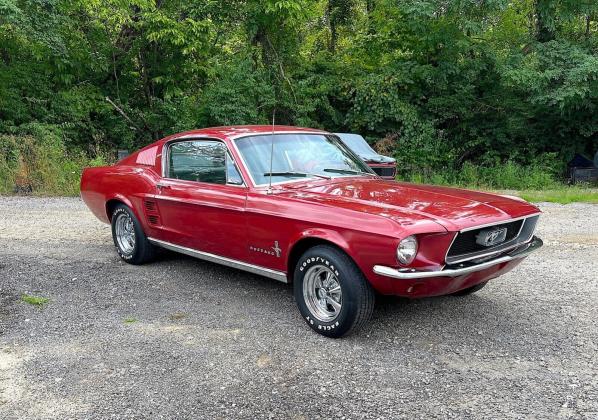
column 297, row 205
column 384, row 166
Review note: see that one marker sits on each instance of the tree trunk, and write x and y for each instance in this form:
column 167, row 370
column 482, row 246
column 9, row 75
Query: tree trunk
column 370, row 5
column 545, row 20
column 332, row 26
column 333, row 38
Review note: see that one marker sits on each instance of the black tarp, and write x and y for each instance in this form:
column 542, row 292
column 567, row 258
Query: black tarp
column 580, row 161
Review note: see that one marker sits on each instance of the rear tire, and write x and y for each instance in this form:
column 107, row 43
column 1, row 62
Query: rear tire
column 469, row 290
column 128, row 236
column 332, row 294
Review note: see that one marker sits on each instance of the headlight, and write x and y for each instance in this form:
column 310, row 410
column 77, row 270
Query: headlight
column 407, row 250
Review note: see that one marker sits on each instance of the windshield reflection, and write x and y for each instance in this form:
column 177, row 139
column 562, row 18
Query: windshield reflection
column 298, row 155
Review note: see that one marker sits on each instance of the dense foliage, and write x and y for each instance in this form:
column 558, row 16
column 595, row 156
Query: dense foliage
column 447, row 83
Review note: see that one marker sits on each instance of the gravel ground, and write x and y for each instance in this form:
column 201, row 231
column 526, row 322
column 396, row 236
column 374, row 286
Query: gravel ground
column 182, row 338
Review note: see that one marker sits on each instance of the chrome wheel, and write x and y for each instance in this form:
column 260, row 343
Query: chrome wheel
column 125, row 233
column 322, row 293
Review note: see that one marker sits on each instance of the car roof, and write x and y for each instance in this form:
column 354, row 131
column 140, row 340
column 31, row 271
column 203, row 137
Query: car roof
column 235, row 131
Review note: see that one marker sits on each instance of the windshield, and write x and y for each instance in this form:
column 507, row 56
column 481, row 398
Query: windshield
column 296, row 156
column 358, row 144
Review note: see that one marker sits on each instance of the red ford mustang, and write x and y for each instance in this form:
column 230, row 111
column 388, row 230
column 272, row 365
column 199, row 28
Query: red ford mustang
column 299, row 206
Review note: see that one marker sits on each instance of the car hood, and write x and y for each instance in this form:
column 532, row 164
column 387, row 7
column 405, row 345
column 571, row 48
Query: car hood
column 453, row 208
column 377, row 159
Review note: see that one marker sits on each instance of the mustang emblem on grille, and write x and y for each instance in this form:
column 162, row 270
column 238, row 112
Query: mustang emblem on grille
column 490, row 237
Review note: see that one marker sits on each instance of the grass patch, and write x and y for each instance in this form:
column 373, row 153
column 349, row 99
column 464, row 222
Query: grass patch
column 564, row 195
column 130, row 320
column 177, row 316
column 496, row 176
column 537, row 182
column 34, row 300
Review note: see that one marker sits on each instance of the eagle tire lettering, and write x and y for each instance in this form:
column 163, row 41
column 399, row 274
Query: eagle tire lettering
column 321, row 326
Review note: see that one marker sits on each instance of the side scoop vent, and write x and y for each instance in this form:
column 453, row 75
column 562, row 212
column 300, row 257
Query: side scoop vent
column 151, row 212
column 150, row 206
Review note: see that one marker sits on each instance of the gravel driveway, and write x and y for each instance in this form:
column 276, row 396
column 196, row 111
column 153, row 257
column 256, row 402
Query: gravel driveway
column 182, row 338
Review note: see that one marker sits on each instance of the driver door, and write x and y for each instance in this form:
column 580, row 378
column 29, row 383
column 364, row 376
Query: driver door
column 202, row 199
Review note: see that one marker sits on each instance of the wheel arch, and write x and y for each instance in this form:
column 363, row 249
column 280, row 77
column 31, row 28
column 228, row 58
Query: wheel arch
column 306, row 242
column 116, row 200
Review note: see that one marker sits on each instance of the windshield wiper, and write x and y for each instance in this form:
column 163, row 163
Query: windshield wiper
column 347, row 171
column 296, row 174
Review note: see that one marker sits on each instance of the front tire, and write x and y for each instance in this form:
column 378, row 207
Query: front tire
column 332, row 294
column 128, row 236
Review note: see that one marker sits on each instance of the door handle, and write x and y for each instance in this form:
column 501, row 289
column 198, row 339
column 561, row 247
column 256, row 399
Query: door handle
column 162, row 186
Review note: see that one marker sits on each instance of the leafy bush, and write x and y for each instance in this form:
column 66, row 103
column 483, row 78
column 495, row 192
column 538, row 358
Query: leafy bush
column 538, row 175
column 40, row 164
column 462, row 91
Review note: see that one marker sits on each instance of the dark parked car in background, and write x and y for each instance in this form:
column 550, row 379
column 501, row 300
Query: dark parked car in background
column 384, row 166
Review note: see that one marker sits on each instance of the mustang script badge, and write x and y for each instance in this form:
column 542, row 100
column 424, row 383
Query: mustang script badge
column 490, row 237
column 274, row 250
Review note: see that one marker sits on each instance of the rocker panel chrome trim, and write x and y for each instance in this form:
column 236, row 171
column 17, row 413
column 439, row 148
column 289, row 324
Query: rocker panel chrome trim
column 229, row 262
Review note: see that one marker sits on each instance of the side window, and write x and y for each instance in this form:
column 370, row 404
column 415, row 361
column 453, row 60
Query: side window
column 232, row 173
column 202, row 161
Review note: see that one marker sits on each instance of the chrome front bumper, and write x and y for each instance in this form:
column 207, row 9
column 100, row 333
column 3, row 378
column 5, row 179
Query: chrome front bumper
column 409, row 274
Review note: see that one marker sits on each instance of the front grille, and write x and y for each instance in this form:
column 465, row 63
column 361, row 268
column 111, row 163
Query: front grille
column 465, row 248
column 385, row 171
column 466, row 241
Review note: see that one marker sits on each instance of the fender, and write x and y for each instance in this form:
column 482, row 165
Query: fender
column 124, row 200
column 134, row 189
column 329, row 235
column 314, row 234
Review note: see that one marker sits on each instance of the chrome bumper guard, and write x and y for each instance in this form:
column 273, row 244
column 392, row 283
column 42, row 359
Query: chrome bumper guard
column 410, row 274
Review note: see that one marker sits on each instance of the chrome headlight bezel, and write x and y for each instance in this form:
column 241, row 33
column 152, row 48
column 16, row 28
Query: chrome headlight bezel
column 407, row 250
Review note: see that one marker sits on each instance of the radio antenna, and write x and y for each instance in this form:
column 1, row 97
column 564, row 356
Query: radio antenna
column 271, row 151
